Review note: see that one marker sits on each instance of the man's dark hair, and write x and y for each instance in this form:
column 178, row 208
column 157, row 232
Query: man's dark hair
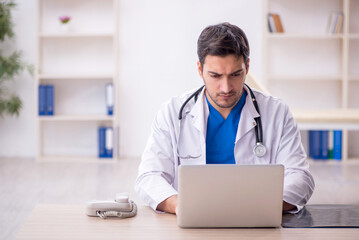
column 221, row 40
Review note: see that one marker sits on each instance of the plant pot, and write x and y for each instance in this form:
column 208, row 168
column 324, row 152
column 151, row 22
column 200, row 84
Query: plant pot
column 64, row 27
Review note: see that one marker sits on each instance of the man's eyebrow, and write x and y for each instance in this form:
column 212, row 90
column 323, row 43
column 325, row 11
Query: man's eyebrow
column 238, row 71
column 214, row 73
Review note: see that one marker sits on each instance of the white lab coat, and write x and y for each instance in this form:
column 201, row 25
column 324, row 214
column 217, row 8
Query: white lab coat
column 157, row 177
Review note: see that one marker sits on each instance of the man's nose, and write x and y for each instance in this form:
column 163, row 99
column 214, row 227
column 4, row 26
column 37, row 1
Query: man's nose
column 225, row 86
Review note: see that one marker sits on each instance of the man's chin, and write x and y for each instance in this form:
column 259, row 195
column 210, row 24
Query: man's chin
column 225, row 104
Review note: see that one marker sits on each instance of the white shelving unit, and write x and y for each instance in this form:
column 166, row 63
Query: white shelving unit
column 79, row 63
column 315, row 72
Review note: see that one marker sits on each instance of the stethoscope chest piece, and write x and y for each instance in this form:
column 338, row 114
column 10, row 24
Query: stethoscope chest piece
column 259, row 150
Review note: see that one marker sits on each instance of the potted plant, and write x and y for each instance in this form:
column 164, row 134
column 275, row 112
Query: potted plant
column 11, row 64
column 64, row 22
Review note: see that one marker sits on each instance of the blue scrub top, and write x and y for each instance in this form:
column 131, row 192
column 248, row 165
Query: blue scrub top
column 221, row 134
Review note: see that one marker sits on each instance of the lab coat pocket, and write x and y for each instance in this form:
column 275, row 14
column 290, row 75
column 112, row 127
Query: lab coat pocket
column 190, row 154
column 189, row 149
column 191, row 160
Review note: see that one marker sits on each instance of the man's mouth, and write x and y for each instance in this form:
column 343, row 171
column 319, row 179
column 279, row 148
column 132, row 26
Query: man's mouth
column 226, row 96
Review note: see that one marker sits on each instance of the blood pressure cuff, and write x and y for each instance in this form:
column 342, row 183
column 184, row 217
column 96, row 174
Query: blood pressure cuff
column 323, row 216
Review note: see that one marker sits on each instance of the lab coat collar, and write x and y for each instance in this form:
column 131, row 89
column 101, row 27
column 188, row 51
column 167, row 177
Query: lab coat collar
column 200, row 113
column 249, row 113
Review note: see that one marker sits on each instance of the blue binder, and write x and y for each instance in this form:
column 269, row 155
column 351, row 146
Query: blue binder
column 109, row 98
column 49, row 100
column 314, row 144
column 42, row 100
column 109, row 142
column 101, row 142
column 337, row 145
column 330, row 144
column 324, row 144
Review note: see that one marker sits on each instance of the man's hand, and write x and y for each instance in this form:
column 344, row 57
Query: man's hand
column 288, row 207
column 169, row 205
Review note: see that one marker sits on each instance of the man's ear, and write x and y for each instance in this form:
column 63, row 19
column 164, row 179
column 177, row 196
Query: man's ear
column 247, row 66
column 199, row 67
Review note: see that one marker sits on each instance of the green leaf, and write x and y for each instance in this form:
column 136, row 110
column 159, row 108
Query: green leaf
column 14, row 105
column 2, row 106
column 6, row 24
column 11, row 66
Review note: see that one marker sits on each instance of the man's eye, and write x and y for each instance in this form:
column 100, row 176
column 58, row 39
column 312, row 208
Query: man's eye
column 236, row 74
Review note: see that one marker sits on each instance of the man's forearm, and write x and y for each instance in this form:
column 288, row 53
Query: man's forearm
column 169, row 205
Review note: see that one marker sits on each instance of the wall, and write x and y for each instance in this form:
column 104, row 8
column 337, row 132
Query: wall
column 158, row 55
column 157, row 60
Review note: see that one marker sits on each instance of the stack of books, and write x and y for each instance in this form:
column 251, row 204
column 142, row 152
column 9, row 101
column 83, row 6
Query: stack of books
column 274, row 23
column 335, row 23
column 325, row 144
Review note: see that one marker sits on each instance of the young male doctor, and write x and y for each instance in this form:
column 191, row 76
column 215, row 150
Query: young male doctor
column 218, row 126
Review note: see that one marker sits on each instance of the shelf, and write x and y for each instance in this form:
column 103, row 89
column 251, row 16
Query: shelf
column 76, row 35
column 346, row 119
column 293, row 36
column 327, row 116
column 353, row 77
column 54, row 76
column 328, row 126
column 350, row 161
column 314, row 71
column 303, row 78
column 78, row 60
column 354, row 36
column 76, row 118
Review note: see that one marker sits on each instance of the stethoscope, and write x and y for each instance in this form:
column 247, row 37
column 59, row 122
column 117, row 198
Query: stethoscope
column 259, row 149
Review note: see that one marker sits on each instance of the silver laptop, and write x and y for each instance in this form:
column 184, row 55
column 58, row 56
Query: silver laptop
column 230, row 195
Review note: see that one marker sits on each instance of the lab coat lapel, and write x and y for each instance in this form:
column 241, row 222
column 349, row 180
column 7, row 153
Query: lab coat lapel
column 247, row 122
column 199, row 114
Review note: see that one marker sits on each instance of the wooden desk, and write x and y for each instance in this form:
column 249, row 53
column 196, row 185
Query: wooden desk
column 70, row 222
